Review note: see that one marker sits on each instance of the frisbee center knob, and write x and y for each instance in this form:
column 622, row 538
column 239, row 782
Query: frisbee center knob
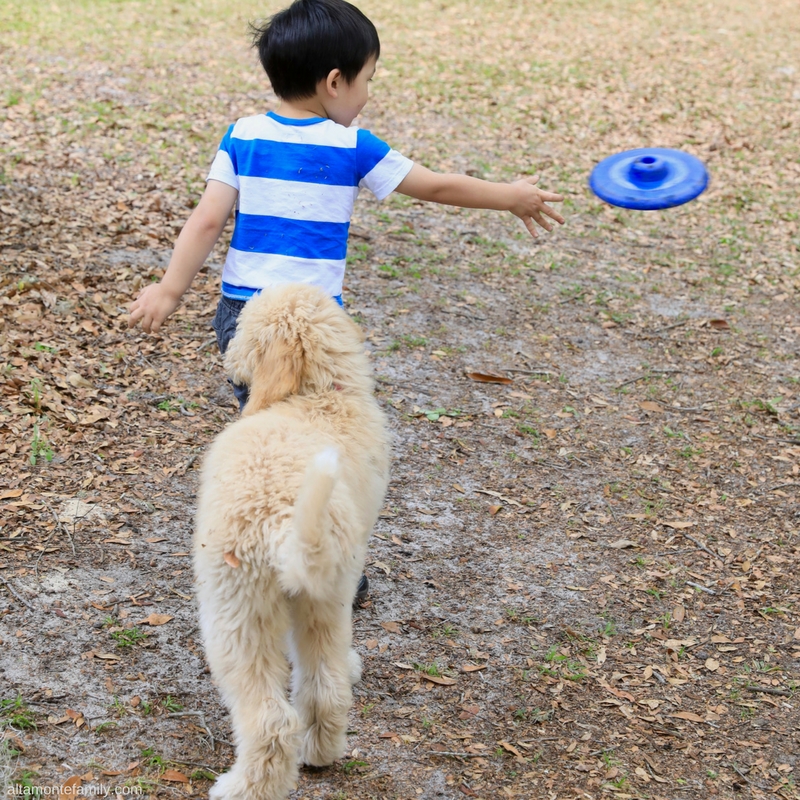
column 648, row 170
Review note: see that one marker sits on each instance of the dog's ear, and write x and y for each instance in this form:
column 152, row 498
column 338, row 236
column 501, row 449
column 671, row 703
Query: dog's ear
column 238, row 359
column 277, row 366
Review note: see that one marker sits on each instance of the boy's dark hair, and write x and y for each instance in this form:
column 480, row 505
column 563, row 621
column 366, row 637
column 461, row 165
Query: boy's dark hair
column 300, row 45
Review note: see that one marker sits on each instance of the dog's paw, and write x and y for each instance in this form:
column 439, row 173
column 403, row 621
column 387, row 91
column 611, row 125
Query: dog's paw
column 354, row 664
column 229, row 786
column 235, row 785
column 321, row 746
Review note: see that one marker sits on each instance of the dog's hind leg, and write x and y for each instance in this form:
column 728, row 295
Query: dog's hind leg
column 244, row 642
column 324, row 670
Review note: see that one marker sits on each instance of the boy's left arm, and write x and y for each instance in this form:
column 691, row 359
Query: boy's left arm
column 522, row 198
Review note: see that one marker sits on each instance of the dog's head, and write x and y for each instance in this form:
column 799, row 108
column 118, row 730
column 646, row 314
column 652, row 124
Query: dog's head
column 295, row 339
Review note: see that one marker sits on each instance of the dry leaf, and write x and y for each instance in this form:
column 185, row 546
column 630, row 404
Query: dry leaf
column 677, row 524
column 472, row 667
column 678, row 613
column 550, row 433
column 9, row 493
column 621, row 544
column 439, row 679
column 231, row 560
column 155, row 619
column 649, row 405
column 70, row 784
column 494, row 509
column 174, row 776
column 688, row 716
column 712, row 665
column 511, row 749
column 487, row 377
column 392, row 627
column 719, row 324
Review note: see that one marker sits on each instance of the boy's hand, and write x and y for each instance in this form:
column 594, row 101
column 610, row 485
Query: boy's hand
column 530, row 205
column 152, row 306
column 522, row 198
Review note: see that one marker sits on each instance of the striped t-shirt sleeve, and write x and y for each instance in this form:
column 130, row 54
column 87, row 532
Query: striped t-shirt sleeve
column 379, row 168
column 223, row 167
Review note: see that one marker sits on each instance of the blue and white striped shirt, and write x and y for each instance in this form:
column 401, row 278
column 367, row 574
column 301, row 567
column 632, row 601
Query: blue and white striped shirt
column 297, row 181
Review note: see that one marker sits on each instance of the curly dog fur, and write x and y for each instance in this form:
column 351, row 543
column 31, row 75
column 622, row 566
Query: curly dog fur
column 288, row 496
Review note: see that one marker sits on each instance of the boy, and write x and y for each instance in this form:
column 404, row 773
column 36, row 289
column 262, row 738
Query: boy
column 295, row 174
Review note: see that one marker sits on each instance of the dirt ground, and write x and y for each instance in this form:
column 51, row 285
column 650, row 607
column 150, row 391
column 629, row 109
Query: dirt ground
column 584, row 580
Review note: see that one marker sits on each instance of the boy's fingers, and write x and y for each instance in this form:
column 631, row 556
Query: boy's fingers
column 532, row 179
column 551, row 197
column 543, row 222
column 553, row 214
column 531, row 227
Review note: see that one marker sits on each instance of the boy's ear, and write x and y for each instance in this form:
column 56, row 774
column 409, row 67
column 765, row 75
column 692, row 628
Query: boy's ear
column 332, row 82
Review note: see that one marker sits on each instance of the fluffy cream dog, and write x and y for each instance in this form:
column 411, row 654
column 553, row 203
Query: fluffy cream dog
column 288, row 496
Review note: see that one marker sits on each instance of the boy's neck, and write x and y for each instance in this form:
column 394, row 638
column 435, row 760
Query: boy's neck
column 307, row 108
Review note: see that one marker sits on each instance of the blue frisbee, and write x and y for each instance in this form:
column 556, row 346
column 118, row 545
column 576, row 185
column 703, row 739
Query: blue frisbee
column 649, row 178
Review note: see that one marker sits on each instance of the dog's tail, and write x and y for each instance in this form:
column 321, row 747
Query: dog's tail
column 308, row 555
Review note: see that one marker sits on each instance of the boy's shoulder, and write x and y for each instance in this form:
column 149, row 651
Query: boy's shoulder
column 316, row 131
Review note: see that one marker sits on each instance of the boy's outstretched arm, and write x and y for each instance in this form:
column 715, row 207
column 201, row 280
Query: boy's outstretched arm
column 522, row 198
column 156, row 302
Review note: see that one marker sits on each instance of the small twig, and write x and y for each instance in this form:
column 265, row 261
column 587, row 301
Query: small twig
column 61, row 527
column 700, row 587
column 775, row 488
column 182, row 470
column 740, row 773
column 206, row 343
column 195, row 714
column 604, row 750
column 195, row 764
column 13, row 591
column 648, row 374
column 403, row 386
column 670, row 327
column 775, row 438
column 700, row 545
column 632, row 380
column 458, row 755
column 769, row 690
column 530, row 371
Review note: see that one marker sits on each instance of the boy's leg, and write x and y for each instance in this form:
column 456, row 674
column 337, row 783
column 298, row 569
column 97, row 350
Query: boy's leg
column 224, row 325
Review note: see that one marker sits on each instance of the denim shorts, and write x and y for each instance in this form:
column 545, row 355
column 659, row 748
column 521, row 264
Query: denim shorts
column 224, row 326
